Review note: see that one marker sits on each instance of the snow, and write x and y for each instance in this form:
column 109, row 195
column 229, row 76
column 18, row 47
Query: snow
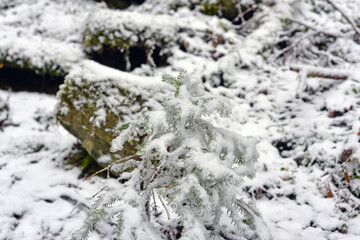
column 43, row 34
column 124, row 24
column 41, row 197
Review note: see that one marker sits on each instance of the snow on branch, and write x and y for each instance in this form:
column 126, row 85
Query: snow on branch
column 313, row 28
column 348, row 19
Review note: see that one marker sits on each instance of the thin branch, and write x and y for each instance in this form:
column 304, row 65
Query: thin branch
column 98, row 192
column 241, row 14
column 321, row 73
column 101, row 170
column 150, row 58
column 348, row 19
column 108, row 171
column 313, row 28
column 167, row 212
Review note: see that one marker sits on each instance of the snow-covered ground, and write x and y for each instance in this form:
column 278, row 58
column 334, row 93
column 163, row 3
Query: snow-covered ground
column 310, row 190
column 40, row 196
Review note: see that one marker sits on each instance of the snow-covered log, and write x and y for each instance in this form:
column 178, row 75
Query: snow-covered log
column 125, row 40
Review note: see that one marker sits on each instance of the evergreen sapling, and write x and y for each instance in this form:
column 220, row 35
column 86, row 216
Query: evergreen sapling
column 189, row 166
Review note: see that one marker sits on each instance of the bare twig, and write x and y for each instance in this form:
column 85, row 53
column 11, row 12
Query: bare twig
column 321, row 73
column 108, row 171
column 241, row 14
column 101, row 170
column 150, row 58
column 241, row 29
column 313, row 28
column 348, row 19
column 167, row 212
column 98, row 192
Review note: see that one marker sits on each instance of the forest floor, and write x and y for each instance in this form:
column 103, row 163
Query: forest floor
column 307, row 183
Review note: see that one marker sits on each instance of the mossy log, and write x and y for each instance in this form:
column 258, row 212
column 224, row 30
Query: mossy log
column 126, row 40
column 95, row 99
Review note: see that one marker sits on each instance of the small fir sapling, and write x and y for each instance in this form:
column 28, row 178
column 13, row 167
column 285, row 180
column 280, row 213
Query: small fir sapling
column 187, row 164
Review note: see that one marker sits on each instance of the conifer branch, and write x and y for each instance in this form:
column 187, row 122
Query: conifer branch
column 188, row 161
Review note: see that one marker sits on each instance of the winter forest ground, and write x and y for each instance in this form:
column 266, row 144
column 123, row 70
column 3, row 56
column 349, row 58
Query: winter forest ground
column 295, row 88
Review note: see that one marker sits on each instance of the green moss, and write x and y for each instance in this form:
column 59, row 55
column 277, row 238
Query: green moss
column 85, row 162
column 221, row 8
column 96, row 140
column 211, row 8
column 101, row 39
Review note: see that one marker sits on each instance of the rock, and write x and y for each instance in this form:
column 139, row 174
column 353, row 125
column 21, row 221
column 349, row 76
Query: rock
column 126, row 40
column 95, row 99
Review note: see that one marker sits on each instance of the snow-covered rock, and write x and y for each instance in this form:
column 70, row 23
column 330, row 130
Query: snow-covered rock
column 95, row 98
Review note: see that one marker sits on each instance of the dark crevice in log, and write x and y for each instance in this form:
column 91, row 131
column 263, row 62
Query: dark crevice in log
column 16, row 79
column 121, row 4
column 159, row 58
column 110, row 57
column 135, row 56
